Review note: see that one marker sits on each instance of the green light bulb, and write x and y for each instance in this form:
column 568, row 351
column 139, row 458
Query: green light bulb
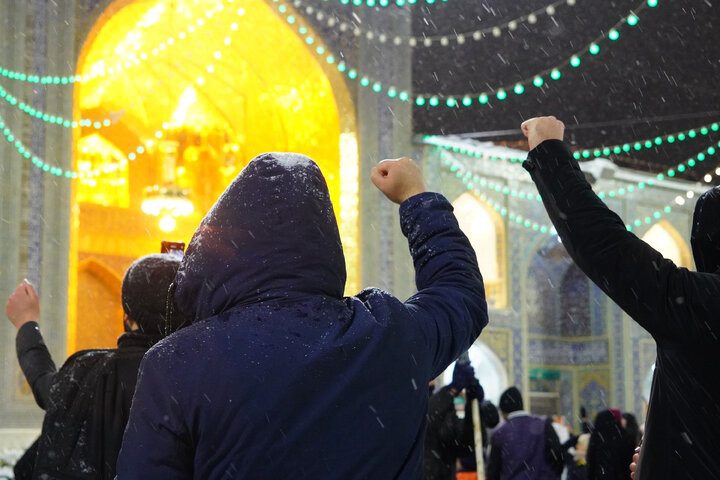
column 613, row 34
column 434, row 101
column 575, row 61
column 538, row 81
column 483, row 98
column 555, row 74
column 420, row 101
column 594, row 49
column 519, row 89
column 632, row 20
column 501, row 94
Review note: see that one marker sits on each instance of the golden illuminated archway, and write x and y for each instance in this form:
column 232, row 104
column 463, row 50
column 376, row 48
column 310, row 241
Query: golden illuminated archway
column 486, row 232
column 664, row 238
column 177, row 96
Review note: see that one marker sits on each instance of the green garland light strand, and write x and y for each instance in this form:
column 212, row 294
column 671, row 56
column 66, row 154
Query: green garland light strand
column 469, row 180
column 647, row 143
column 460, row 38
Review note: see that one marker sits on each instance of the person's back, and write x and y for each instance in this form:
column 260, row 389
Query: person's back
column 87, row 401
column 522, row 441
column 525, row 446
column 279, row 374
column 678, row 307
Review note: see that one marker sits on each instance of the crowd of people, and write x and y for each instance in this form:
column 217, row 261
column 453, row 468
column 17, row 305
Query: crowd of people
column 245, row 360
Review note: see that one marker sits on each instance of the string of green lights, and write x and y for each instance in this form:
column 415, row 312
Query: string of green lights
column 36, row 161
column 647, row 142
column 100, row 70
column 58, row 120
column 385, row 3
column 332, row 21
column 468, row 99
column 473, row 182
column 476, row 152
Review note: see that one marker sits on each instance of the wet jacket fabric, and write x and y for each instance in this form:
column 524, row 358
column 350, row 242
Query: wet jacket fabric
column 279, row 376
column 87, row 404
column 525, row 447
column 678, row 307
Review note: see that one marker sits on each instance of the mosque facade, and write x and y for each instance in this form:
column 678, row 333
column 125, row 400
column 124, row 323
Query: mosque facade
column 123, row 118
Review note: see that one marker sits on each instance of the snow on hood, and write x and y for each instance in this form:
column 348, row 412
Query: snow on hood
column 705, row 236
column 272, row 235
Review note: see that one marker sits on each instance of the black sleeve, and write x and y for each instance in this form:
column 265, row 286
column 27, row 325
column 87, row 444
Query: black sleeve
column 553, row 449
column 35, row 361
column 667, row 301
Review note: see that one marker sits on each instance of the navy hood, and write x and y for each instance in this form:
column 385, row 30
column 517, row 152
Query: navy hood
column 705, row 237
column 272, row 235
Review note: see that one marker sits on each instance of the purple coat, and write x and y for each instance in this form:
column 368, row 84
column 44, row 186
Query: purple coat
column 525, row 447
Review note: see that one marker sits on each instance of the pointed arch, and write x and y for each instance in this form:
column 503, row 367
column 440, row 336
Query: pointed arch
column 486, row 231
column 664, row 238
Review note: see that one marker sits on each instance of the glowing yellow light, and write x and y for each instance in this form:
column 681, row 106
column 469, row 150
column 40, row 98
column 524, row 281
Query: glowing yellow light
column 187, row 100
column 234, row 26
column 167, row 223
column 217, row 55
column 210, row 69
column 180, row 171
column 228, row 40
column 200, row 81
column 158, row 134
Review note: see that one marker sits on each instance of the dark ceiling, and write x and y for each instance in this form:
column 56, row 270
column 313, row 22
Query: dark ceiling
column 661, row 76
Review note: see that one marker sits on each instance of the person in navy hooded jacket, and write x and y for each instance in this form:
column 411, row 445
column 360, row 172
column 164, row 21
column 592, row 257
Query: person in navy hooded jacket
column 279, row 375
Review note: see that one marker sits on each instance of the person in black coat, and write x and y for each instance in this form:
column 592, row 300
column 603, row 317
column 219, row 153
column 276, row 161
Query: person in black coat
column 677, row 306
column 610, row 449
column 279, row 375
column 449, row 438
column 87, row 401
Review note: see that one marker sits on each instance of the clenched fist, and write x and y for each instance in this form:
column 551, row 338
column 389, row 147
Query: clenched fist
column 539, row 129
column 399, row 179
column 23, row 305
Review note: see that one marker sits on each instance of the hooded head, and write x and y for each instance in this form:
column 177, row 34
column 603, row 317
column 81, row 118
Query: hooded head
column 511, row 400
column 705, row 237
column 271, row 235
column 144, row 290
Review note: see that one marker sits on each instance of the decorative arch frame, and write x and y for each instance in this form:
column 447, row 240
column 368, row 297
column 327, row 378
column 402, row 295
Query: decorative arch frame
column 90, row 26
column 495, row 292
